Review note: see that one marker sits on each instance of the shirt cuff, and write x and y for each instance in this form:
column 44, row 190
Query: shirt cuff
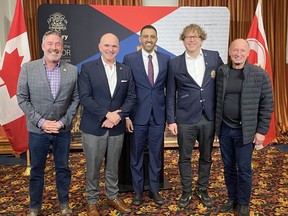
column 62, row 125
column 40, row 122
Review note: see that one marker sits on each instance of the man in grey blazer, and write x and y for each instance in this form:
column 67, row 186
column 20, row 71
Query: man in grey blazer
column 48, row 95
column 107, row 94
column 191, row 109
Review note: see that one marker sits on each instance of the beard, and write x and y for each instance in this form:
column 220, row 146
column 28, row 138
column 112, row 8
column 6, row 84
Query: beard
column 54, row 55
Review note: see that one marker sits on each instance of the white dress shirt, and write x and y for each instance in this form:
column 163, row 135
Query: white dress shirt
column 111, row 76
column 196, row 67
column 154, row 61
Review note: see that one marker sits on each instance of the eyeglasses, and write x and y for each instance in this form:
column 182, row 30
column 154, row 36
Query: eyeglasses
column 191, row 37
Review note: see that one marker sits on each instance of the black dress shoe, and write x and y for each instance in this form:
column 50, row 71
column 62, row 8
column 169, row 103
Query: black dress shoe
column 158, row 199
column 203, row 196
column 228, row 205
column 185, row 199
column 243, row 210
column 137, row 199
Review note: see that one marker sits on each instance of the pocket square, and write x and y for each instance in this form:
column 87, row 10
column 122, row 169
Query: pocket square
column 123, row 80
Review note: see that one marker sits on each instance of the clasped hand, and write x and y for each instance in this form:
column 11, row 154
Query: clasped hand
column 51, row 126
column 112, row 119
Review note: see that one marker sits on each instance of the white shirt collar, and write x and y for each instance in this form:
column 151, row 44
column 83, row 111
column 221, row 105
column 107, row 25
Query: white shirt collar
column 105, row 64
column 189, row 57
column 145, row 54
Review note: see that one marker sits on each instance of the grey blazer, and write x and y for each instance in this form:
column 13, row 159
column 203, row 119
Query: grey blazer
column 36, row 100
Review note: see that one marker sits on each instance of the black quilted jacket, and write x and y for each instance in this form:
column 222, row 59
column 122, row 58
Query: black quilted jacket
column 256, row 100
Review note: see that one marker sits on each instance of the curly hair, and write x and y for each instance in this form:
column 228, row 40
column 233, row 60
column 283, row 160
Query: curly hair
column 194, row 28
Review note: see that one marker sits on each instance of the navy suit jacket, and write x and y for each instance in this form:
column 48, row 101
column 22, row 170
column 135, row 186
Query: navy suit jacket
column 96, row 99
column 186, row 100
column 149, row 98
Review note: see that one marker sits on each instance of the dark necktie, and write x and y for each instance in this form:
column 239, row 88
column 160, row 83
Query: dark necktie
column 150, row 70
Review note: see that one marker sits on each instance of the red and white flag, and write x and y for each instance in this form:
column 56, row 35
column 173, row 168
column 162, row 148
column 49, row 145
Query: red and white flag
column 259, row 54
column 16, row 53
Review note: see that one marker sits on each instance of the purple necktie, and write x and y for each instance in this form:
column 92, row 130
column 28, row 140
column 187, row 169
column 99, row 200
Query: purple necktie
column 150, row 70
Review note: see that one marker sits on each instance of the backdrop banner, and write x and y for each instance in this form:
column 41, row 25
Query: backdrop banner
column 83, row 25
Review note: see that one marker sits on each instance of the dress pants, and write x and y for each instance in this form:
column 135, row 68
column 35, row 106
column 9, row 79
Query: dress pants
column 237, row 160
column 150, row 135
column 203, row 131
column 96, row 148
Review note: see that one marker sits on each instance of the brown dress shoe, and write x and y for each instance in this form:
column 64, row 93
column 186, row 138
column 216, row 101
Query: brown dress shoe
column 119, row 205
column 92, row 210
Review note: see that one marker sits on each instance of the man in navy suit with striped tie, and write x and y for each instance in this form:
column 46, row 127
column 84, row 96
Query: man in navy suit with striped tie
column 147, row 120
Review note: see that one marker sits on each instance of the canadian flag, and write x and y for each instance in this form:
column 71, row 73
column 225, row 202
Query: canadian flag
column 259, row 54
column 15, row 54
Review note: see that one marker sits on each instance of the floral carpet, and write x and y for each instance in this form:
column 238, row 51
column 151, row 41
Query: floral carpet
column 269, row 195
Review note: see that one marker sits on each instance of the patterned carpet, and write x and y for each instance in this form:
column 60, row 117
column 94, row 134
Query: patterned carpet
column 269, row 197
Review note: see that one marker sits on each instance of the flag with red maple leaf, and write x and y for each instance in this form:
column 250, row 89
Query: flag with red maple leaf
column 16, row 53
column 259, row 54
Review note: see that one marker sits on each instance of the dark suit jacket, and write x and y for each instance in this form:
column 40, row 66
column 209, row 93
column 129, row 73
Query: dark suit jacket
column 192, row 99
column 96, row 99
column 148, row 97
column 36, row 100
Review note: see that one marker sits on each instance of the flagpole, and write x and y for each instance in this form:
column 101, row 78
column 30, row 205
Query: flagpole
column 28, row 164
